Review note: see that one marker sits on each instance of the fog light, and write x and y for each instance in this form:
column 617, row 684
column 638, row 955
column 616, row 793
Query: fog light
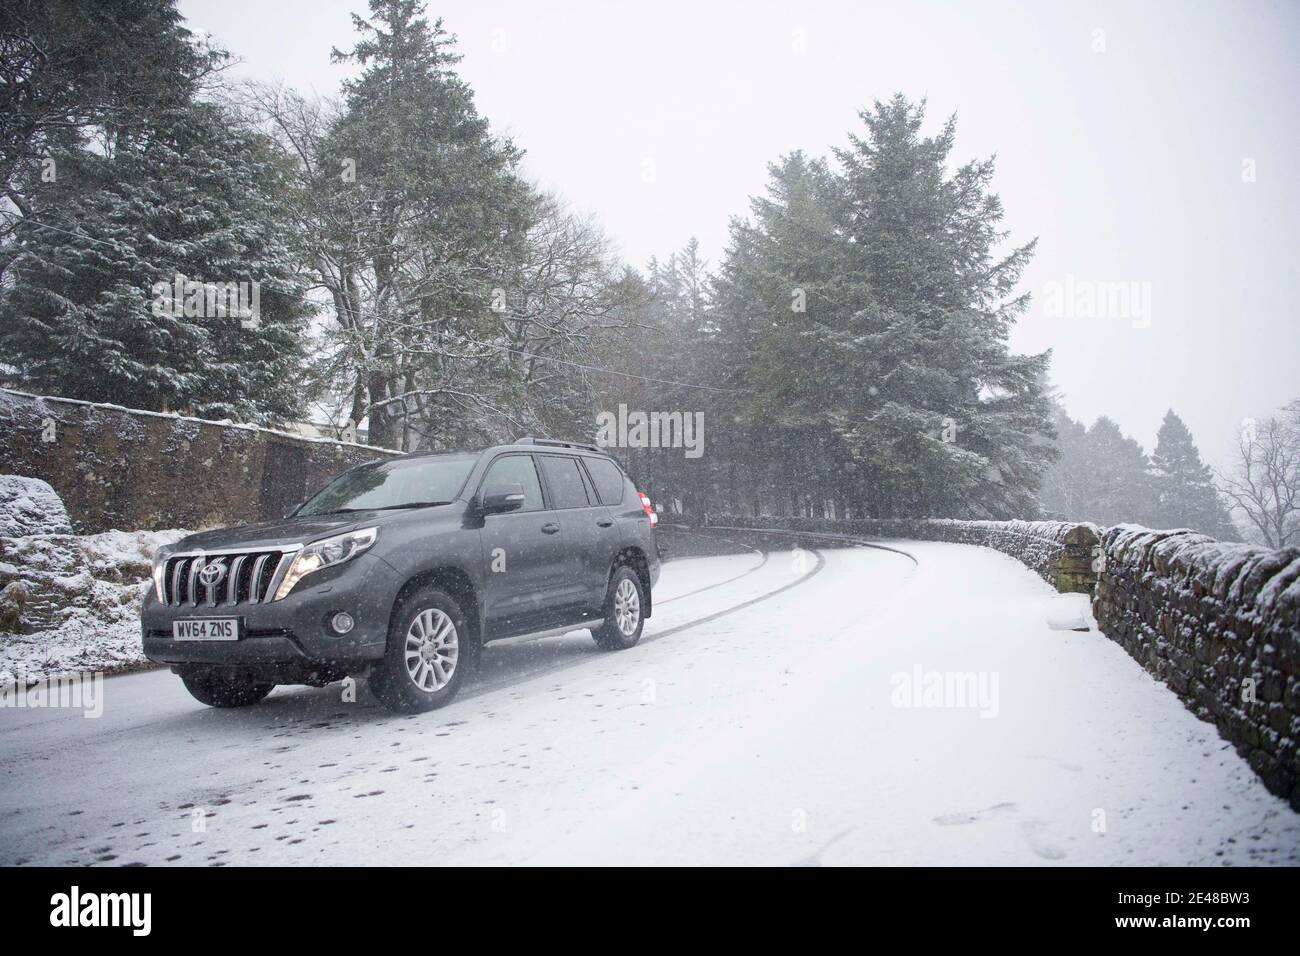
column 342, row 622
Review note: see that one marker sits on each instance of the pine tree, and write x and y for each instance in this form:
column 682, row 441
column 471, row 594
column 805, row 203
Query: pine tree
column 426, row 218
column 1064, row 495
column 670, row 342
column 193, row 197
column 1184, row 486
column 781, row 345
column 1116, row 478
column 874, row 307
column 81, row 71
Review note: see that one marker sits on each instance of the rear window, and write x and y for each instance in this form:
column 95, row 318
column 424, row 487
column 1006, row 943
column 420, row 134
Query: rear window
column 608, row 479
column 564, row 482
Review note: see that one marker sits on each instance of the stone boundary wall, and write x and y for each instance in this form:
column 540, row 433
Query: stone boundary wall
column 1061, row 553
column 1220, row 625
column 120, row 468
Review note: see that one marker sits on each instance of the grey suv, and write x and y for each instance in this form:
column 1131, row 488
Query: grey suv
column 404, row 568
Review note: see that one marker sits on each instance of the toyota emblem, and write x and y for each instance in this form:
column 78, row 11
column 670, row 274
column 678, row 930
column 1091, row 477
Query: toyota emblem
column 212, row 574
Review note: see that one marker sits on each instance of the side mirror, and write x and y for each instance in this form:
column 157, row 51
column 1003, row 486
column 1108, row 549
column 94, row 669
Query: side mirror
column 498, row 499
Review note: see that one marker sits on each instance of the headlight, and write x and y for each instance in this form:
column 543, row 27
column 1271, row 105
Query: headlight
column 325, row 554
column 159, row 569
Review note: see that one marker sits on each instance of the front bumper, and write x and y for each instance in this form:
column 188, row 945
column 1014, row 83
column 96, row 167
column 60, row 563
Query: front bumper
column 293, row 632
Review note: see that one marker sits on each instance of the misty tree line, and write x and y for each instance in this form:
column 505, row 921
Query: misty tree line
column 848, row 355
column 1107, row 477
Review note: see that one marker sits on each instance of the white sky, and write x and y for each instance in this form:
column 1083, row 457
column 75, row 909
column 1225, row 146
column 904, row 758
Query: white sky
column 1127, row 164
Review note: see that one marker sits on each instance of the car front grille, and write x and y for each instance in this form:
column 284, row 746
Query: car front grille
column 247, row 577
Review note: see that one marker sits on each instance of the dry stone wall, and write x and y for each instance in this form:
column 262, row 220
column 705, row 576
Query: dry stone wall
column 118, row 468
column 1220, row 625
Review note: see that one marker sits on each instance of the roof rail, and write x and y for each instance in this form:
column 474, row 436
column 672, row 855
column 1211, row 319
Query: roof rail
column 557, row 443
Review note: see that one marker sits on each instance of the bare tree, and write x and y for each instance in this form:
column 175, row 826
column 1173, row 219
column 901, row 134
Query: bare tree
column 453, row 340
column 1264, row 484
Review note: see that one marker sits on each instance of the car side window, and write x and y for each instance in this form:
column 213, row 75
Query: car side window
column 608, row 479
column 518, row 469
column 564, row 482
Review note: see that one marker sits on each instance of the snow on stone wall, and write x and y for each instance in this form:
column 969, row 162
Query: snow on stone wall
column 30, row 506
column 121, row 468
column 1220, row 625
column 1060, row 552
column 71, row 603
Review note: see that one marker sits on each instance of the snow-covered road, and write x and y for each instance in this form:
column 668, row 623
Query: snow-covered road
column 782, row 709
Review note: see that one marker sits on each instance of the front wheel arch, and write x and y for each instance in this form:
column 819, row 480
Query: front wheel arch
column 391, row 680
column 457, row 583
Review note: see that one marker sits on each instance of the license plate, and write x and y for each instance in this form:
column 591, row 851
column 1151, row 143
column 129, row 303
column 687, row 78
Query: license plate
column 206, row 629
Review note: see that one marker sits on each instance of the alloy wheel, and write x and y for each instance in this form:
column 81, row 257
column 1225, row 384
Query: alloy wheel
column 432, row 648
column 627, row 607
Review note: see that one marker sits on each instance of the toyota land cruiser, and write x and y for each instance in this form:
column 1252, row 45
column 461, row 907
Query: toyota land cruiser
column 403, row 569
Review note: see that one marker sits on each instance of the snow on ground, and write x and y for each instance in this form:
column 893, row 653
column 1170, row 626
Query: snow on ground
column 873, row 711
column 78, row 601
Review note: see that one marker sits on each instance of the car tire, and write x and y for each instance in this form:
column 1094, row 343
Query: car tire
column 211, row 688
column 430, row 651
column 624, row 607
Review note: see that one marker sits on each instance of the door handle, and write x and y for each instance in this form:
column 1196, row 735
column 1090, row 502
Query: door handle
column 550, row 528
column 604, row 522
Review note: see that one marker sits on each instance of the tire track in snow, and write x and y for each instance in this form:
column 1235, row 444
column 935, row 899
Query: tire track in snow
column 821, row 563
column 708, row 587
column 823, row 536
column 518, row 678
column 678, row 628
column 478, row 689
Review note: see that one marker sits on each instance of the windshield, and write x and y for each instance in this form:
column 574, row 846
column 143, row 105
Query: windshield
column 404, row 483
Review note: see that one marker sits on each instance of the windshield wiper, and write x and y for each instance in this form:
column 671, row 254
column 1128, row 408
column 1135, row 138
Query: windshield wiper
column 344, row 511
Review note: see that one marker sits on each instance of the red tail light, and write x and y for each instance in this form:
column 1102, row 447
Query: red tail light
column 645, row 505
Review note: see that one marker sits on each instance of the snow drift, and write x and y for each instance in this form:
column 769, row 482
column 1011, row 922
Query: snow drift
column 30, row 506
